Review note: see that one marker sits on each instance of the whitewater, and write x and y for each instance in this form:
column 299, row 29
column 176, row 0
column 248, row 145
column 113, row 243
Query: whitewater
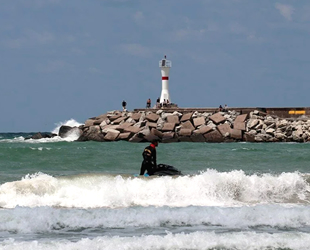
column 60, row 194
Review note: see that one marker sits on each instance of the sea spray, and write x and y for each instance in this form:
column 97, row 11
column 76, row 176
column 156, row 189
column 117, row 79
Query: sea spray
column 210, row 188
column 71, row 123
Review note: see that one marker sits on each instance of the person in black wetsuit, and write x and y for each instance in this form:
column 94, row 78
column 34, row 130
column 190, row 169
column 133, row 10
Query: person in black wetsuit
column 149, row 159
column 124, row 103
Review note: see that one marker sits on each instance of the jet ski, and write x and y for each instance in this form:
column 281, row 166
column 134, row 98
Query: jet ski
column 164, row 169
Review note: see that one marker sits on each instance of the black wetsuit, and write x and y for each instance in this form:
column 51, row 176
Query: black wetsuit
column 149, row 160
column 124, row 104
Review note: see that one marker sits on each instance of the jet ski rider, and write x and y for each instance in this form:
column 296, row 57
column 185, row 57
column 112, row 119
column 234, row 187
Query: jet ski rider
column 149, row 159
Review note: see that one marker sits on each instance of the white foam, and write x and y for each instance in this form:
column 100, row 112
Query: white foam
column 46, row 140
column 74, row 135
column 210, row 188
column 48, row 220
column 71, row 123
column 16, row 139
column 197, row 240
column 40, row 148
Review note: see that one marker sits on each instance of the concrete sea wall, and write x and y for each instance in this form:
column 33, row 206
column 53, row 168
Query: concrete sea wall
column 181, row 125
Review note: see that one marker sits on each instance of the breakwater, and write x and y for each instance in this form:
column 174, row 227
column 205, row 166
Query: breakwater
column 197, row 125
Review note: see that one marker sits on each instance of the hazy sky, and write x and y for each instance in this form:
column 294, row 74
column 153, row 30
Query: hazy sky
column 63, row 59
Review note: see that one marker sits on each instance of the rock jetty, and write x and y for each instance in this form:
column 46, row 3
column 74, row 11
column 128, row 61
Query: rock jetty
column 229, row 126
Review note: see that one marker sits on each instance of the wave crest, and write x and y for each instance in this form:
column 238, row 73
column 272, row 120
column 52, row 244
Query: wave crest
column 211, row 188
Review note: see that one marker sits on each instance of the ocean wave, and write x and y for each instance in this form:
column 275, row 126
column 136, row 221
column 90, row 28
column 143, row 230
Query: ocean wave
column 255, row 218
column 210, row 188
column 23, row 137
column 193, row 241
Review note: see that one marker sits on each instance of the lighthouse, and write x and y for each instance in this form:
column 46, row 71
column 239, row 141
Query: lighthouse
column 165, row 66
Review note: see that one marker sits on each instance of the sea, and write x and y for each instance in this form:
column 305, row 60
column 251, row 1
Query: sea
column 58, row 193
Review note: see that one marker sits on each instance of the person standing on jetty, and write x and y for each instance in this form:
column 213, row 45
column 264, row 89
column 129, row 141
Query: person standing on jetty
column 148, row 103
column 149, row 163
column 225, row 109
column 158, row 103
column 124, row 104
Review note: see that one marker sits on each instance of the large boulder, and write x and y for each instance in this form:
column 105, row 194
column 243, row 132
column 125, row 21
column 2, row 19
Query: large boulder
column 99, row 119
column 119, row 120
column 152, row 117
column 156, row 132
column 136, row 138
column 90, row 122
column 203, row 129
column 186, row 117
column 151, row 137
column 297, row 135
column 40, row 135
column 93, row 133
column 249, row 137
column 252, row 123
column 197, row 138
column 136, row 116
column 199, row 121
column 214, row 136
column 169, row 137
column 236, row 134
column 124, row 136
column 188, row 125
column 65, row 131
column 173, row 119
column 224, row 129
column 111, row 135
column 168, row 127
column 185, row 132
column 217, row 118
column 239, row 122
column 151, row 124
column 114, row 117
column 132, row 129
column 123, row 126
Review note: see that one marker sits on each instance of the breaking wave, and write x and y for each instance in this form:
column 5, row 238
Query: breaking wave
column 211, row 188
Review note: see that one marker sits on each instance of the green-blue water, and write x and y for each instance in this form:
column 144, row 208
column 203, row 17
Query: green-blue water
column 58, row 194
column 67, row 158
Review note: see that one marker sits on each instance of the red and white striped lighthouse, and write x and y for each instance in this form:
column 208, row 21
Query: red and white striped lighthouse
column 165, row 66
